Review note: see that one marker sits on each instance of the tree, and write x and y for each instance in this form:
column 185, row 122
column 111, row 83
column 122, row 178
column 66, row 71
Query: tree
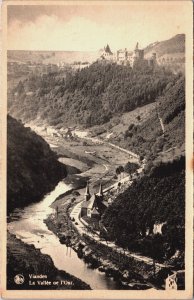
column 121, row 169
column 130, row 167
column 118, row 172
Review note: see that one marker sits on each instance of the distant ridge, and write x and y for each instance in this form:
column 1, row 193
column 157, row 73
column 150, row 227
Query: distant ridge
column 53, row 57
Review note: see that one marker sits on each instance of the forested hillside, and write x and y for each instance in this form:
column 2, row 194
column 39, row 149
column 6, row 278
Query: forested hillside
column 32, row 168
column 89, row 97
column 147, row 137
column 158, row 198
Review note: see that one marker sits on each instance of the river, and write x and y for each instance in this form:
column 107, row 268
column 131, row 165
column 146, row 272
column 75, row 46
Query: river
column 28, row 225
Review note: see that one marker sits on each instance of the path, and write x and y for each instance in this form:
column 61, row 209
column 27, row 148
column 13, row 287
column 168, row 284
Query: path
column 124, row 150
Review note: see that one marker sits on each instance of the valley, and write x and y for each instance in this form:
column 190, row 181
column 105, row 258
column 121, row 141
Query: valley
column 101, row 152
column 91, row 167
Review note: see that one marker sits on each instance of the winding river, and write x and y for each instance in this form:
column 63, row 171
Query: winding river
column 28, row 225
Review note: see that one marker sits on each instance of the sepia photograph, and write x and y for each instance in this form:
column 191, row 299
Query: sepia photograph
column 98, row 149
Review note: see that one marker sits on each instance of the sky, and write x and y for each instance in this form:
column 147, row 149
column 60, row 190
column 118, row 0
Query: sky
column 89, row 27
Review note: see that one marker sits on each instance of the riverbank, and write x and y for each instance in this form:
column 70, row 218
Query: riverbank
column 128, row 272
column 26, row 260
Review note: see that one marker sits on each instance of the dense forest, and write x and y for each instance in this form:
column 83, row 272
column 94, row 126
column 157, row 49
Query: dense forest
column 32, row 168
column 156, row 198
column 91, row 96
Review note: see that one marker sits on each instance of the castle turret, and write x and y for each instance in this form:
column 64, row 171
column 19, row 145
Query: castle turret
column 87, row 193
column 107, row 49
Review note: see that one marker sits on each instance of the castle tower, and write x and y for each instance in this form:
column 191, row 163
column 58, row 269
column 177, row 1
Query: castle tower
column 87, row 193
column 136, row 51
column 138, row 54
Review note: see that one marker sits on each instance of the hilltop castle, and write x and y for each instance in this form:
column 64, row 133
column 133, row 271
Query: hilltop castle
column 126, row 57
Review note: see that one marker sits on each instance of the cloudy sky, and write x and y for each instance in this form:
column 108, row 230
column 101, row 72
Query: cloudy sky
column 89, row 27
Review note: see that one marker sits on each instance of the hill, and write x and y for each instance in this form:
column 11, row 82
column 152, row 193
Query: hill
column 172, row 46
column 146, row 135
column 155, row 199
column 170, row 53
column 89, row 97
column 32, row 168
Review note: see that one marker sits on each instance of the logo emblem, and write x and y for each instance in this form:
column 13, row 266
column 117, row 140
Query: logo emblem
column 19, row 279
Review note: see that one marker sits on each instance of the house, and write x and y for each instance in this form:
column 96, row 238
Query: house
column 93, row 206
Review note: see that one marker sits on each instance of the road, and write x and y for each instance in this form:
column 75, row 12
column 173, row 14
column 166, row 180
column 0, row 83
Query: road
column 79, row 224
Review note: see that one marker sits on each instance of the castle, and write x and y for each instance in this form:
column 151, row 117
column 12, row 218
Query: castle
column 106, row 53
column 95, row 205
column 126, row 57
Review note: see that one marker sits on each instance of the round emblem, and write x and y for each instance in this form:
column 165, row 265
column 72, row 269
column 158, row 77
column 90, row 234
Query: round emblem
column 19, row 279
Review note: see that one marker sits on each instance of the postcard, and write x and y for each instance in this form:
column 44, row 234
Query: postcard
column 96, row 160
